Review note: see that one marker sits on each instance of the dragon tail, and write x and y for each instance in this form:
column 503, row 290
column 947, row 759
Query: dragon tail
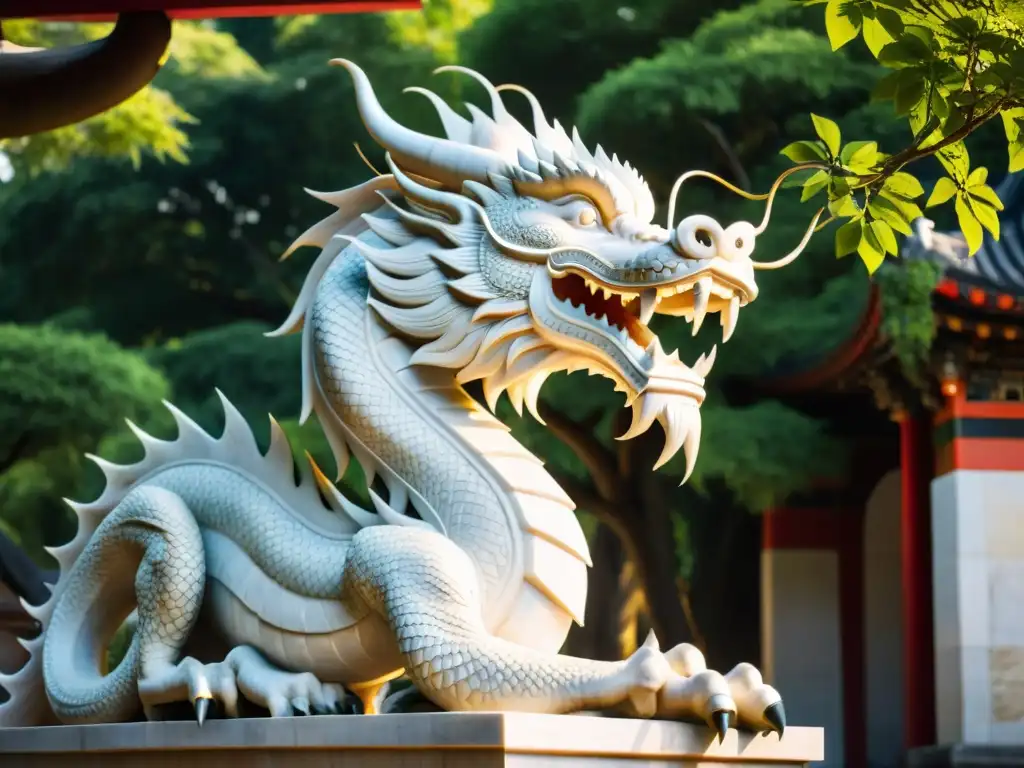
column 28, row 704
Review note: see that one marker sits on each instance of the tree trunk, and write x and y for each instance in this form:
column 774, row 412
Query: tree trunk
column 599, row 638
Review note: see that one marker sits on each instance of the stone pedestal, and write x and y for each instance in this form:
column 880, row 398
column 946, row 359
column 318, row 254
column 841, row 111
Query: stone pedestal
column 444, row 740
column 966, row 756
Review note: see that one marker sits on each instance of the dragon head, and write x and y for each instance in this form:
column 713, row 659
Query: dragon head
column 507, row 255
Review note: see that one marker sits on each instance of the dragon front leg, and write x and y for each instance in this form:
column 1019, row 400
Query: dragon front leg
column 244, row 671
column 425, row 586
column 741, row 694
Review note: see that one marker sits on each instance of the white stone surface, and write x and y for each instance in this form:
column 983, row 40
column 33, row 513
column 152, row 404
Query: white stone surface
column 978, row 567
column 421, row 740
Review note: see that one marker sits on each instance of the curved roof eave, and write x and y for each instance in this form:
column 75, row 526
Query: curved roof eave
column 990, row 281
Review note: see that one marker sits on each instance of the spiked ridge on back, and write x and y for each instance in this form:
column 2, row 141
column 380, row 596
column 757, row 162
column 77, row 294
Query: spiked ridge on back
column 237, row 448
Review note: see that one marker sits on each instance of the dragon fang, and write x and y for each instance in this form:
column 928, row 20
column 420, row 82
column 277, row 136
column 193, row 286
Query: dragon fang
column 496, row 254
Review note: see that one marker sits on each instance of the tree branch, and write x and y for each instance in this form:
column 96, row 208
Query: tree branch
column 17, row 452
column 716, row 133
column 606, row 512
column 581, row 441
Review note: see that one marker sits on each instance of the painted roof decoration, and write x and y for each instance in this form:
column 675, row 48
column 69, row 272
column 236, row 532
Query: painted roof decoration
column 194, row 9
column 992, row 279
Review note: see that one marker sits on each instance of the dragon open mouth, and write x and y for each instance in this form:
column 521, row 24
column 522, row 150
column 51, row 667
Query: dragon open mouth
column 631, row 310
column 604, row 305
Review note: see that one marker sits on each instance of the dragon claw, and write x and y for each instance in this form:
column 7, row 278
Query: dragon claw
column 202, row 707
column 775, row 715
column 720, row 720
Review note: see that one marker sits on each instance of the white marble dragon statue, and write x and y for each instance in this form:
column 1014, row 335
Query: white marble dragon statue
column 496, row 254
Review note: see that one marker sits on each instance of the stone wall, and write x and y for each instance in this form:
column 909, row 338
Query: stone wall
column 978, row 561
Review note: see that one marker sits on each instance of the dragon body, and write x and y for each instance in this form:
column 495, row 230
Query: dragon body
column 497, row 255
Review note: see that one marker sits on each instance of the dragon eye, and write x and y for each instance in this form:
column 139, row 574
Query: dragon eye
column 587, row 217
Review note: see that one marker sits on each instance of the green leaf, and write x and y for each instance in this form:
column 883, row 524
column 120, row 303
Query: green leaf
column 977, row 177
column 943, row 192
column 1016, row 157
column 907, row 209
column 838, row 187
column 955, row 160
column 814, row 185
column 798, row 178
column 848, row 237
column 844, row 206
column 1012, row 119
column 859, row 153
column 939, row 104
column 885, row 89
column 882, row 208
column 987, row 195
column 828, row 132
column 871, row 252
column 875, row 36
column 842, row 22
column 969, row 225
column 908, row 51
column 987, row 215
column 884, row 235
column 891, row 21
column 805, row 152
column 905, row 185
column 909, row 93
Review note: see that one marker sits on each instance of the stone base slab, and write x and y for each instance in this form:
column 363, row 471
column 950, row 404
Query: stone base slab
column 966, row 756
column 441, row 740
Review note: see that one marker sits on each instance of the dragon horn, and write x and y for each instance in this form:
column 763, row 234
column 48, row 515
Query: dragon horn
column 434, row 158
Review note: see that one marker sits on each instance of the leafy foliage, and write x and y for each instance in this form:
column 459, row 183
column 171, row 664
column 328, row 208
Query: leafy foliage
column 150, row 121
column 908, row 321
column 60, row 393
column 954, row 65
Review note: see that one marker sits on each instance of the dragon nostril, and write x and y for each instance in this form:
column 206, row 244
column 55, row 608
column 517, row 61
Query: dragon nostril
column 703, row 237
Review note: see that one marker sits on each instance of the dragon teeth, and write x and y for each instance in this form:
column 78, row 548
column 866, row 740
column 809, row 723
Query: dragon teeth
column 705, row 362
column 729, row 317
column 648, row 302
column 701, row 297
column 606, row 293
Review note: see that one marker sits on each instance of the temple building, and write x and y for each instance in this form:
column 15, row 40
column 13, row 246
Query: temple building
column 893, row 604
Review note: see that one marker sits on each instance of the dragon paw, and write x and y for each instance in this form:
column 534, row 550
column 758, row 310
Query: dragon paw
column 244, row 672
column 648, row 671
column 739, row 698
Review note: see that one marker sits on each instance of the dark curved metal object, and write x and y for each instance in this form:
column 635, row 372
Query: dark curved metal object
column 45, row 89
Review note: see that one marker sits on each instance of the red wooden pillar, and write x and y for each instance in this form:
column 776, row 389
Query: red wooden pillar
column 917, row 464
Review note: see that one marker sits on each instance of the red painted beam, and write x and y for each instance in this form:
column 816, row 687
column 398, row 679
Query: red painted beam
column 106, row 10
column 917, row 463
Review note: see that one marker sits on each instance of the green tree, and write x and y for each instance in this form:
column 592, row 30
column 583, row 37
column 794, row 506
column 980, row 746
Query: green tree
column 150, row 121
column 60, row 393
column 954, row 66
column 178, row 261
